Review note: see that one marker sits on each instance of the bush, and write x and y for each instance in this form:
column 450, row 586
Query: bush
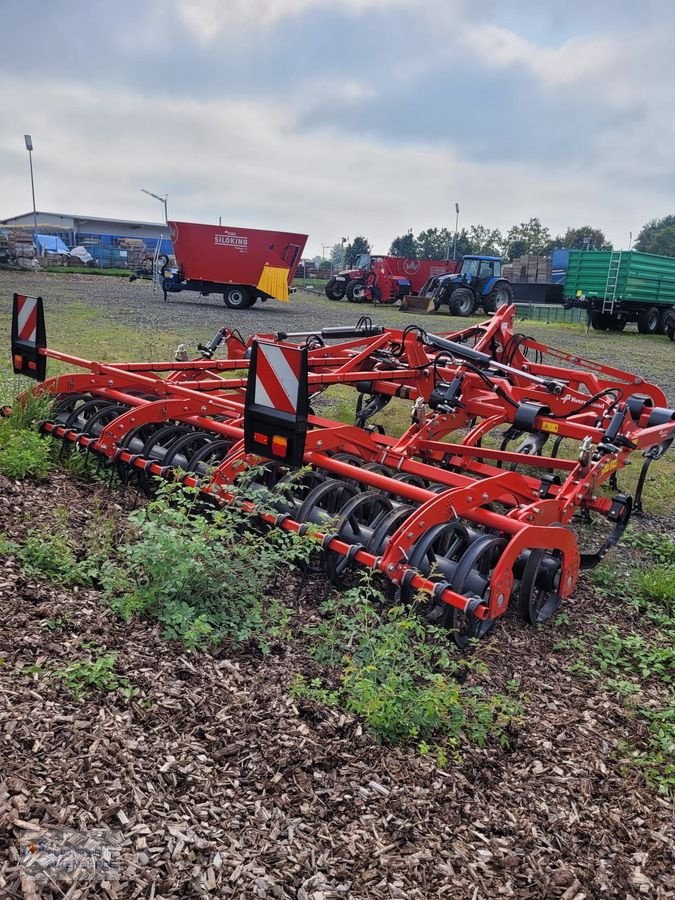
column 25, row 454
column 204, row 575
column 401, row 676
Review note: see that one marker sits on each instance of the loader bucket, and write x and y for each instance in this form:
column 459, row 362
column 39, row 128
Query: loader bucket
column 414, row 304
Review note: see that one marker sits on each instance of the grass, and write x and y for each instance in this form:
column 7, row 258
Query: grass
column 86, row 270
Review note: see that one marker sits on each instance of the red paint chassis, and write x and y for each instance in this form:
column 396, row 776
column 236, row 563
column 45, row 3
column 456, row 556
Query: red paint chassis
column 446, row 508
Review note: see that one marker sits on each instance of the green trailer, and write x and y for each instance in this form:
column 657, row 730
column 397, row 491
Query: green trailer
column 617, row 287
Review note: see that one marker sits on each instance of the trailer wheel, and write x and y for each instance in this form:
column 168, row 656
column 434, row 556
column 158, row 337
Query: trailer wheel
column 238, row 297
column 648, row 320
column 599, row 320
column 335, row 290
column 617, row 324
column 669, row 324
column 500, row 295
column 663, row 320
column 462, row 302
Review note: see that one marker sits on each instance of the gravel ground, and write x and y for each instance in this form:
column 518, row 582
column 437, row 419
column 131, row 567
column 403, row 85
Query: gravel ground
column 195, row 318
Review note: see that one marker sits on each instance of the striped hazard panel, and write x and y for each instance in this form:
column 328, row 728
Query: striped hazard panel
column 28, row 337
column 275, row 420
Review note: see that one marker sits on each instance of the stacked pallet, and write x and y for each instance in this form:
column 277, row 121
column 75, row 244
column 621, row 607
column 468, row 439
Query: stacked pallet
column 531, row 269
column 135, row 250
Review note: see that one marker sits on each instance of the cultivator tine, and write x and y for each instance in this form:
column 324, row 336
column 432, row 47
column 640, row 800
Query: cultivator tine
column 508, row 440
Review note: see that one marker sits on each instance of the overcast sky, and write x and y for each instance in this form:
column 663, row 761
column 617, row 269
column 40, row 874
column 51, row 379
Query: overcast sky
column 342, row 118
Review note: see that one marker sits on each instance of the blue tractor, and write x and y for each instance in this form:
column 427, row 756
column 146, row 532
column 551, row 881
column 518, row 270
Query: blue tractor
column 478, row 283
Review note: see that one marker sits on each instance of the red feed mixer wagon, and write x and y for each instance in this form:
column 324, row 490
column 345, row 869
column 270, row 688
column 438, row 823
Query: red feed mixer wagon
column 242, row 264
column 386, row 279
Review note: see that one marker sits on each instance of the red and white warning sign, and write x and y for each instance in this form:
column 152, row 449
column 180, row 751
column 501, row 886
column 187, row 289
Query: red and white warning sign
column 28, row 337
column 277, row 402
column 277, row 377
column 26, row 309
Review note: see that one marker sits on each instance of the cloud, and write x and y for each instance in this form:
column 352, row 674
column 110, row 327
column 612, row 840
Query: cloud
column 209, row 19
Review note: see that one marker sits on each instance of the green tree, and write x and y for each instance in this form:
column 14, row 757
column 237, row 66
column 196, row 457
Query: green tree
column 583, row 238
column 657, row 236
column 433, row 243
column 528, row 237
column 486, row 240
column 358, row 246
column 337, row 255
column 405, row 245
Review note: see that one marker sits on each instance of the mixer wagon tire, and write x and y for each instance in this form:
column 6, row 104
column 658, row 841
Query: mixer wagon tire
column 462, row 302
column 335, row 290
column 648, row 321
column 356, row 292
column 238, row 297
column 499, row 296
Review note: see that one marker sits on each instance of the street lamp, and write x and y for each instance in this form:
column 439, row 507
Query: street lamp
column 162, row 199
column 454, row 246
column 345, row 240
column 29, row 146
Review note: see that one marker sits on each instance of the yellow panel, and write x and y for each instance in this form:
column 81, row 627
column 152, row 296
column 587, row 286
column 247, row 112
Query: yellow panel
column 274, row 281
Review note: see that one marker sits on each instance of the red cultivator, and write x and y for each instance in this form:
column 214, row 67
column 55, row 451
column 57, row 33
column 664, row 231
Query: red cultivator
column 509, row 441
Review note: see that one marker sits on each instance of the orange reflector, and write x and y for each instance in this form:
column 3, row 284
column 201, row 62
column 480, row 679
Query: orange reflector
column 279, row 445
column 18, row 361
column 261, row 438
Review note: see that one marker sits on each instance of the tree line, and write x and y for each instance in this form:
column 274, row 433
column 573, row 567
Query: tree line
column 656, row 236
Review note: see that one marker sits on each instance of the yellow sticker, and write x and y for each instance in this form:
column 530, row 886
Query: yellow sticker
column 609, row 466
column 553, row 427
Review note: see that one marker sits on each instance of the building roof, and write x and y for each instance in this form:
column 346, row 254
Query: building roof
column 77, row 218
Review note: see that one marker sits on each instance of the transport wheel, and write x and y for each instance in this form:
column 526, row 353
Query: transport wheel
column 648, row 320
column 462, row 302
column 499, row 296
column 335, row 290
column 356, row 291
column 238, row 297
column 616, row 324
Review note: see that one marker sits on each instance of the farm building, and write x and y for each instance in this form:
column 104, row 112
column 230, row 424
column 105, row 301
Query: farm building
column 108, row 240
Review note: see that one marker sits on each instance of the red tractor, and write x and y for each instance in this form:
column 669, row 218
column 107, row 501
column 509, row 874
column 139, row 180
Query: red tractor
column 386, row 279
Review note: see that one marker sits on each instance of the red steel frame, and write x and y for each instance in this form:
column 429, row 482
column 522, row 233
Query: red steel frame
column 578, row 400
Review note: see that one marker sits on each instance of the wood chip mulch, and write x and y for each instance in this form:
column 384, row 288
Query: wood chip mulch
column 219, row 785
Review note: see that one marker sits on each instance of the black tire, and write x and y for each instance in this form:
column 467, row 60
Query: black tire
column 599, row 320
column 500, row 295
column 356, row 291
column 669, row 324
column 462, row 302
column 663, row 320
column 617, row 324
column 335, row 290
column 237, row 296
column 648, row 320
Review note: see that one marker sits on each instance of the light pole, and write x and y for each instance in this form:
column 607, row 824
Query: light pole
column 454, row 246
column 29, row 146
column 345, row 240
column 162, row 199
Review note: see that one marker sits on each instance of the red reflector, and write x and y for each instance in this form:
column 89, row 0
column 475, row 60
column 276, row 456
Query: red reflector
column 279, row 445
column 32, row 365
column 261, row 438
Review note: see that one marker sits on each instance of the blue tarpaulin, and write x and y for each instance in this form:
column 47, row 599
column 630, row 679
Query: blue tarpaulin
column 48, row 243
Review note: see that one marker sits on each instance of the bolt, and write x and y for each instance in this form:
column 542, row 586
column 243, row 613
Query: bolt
column 500, row 600
column 391, row 567
column 319, row 443
column 486, row 496
column 409, row 534
column 203, row 409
